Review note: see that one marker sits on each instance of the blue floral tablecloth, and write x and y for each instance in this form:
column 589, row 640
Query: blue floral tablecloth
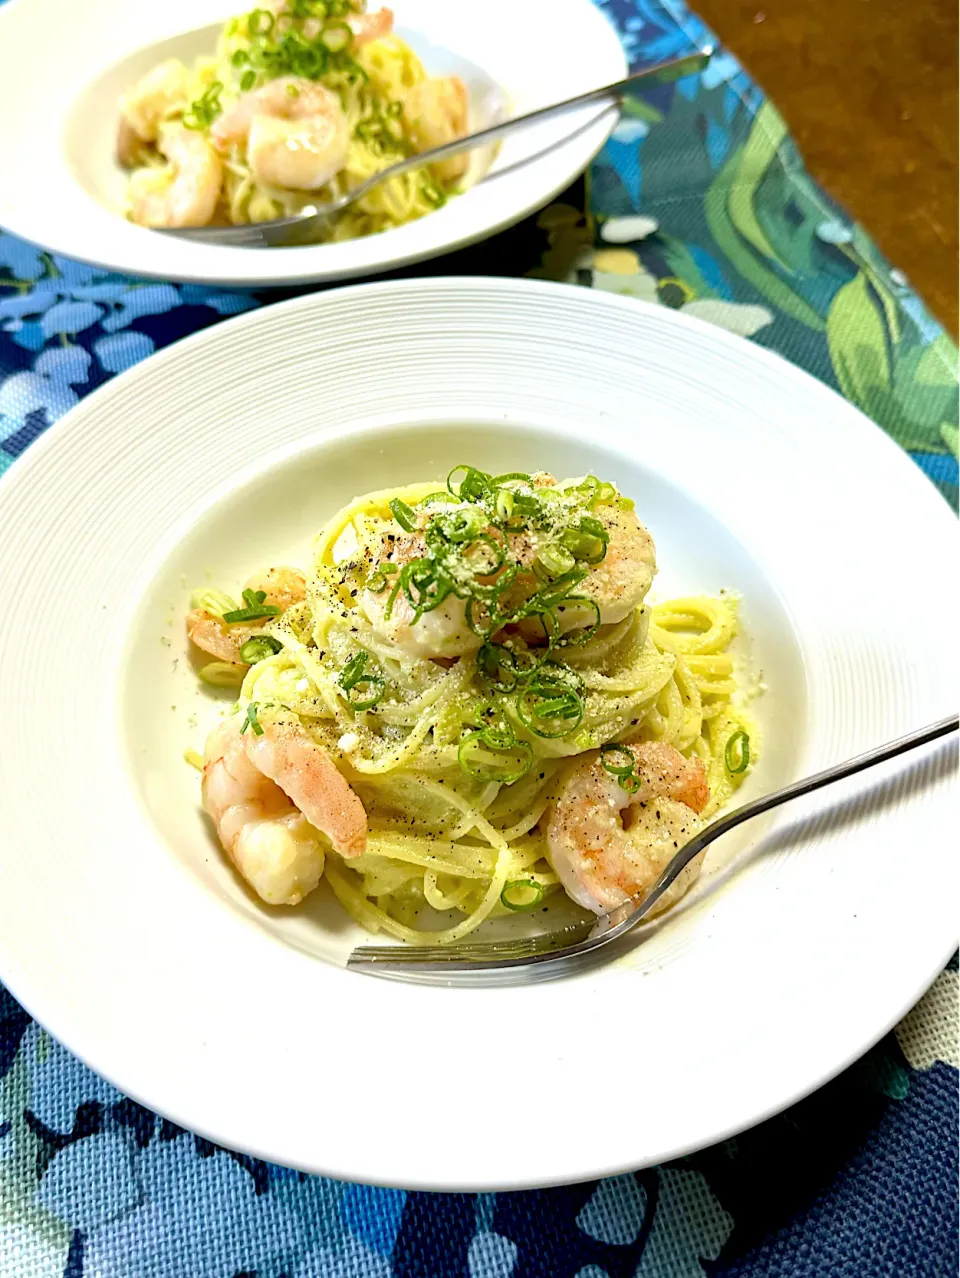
column 700, row 202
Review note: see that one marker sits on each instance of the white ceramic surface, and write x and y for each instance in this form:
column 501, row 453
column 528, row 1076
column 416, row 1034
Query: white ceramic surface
column 72, row 202
column 122, row 930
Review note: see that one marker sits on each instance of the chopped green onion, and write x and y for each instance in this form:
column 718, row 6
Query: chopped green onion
column 205, row 109
column 356, row 698
column 255, row 608
column 352, row 672
column 587, row 540
column 491, row 555
column 736, row 754
column 393, row 597
column 618, row 760
column 594, row 492
column 487, row 622
column 251, row 721
column 353, row 681
column 575, row 640
column 403, row 515
column 520, row 895
column 337, row 36
column 378, row 578
column 260, row 23
column 474, row 485
column 434, row 195
column 505, row 503
column 458, row 526
column 626, row 775
column 222, row 674
column 424, row 591
column 550, row 716
column 248, row 80
column 496, row 666
column 259, row 648
column 555, row 560
column 494, row 754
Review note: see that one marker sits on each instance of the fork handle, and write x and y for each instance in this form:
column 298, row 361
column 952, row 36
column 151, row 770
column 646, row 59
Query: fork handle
column 662, row 73
column 611, row 923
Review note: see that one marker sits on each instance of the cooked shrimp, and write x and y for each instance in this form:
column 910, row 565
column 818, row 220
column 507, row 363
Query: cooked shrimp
column 283, row 588
column 365, row 26
column 607, row 845
column 273, row 843
column 151, row 101
column 442, row 632
column 186, row 191
column 295, row 131
column 269, row 841
column 304, row 771
column 622, row 579
column 436, row 113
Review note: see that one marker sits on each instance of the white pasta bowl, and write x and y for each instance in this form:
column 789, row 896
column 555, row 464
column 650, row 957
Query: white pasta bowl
column 513, row 55
column 123, row 930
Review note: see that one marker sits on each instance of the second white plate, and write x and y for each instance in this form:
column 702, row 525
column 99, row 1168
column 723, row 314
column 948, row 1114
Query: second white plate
column 514, row 55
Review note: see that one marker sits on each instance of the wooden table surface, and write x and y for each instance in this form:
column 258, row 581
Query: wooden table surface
column 869, row 90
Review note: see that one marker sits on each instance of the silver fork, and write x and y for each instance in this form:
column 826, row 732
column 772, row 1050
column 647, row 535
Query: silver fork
column 562, row 948
column 304, row 226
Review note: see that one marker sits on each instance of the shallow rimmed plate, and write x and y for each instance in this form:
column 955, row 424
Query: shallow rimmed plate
column 123, row 932
column 514, row 55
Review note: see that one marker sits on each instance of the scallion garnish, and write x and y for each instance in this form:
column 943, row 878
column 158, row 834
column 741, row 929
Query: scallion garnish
column 586, row 540
column 260, row 22
column 337, row 36
column 736, row 754
column 251, row 721
column 474, row 485
column 205, row 109
column 308, row 38
column 259, row 648
column 361, row 690
column 434, row 195
column 520, row 895
column 496, row 666
column 617, row 759
column 378, row 578
column 222, row 674
column 576, row 639
column 495, row 754
column 254, row 608
column 619, row 762
column 554, row 560
column 403, row 514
